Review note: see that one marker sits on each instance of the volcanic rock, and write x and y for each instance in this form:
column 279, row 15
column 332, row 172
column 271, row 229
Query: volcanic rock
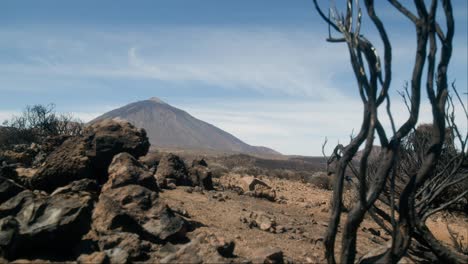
column 201, row 176
column 84, row 185
column 268, row 256
column 136, row 209
column 89, row 155
column 130, row 243
column 95, row 258
column 257, row 188
column 172, row 167
column 125, row 170
column 8, row 189
column 38, row 224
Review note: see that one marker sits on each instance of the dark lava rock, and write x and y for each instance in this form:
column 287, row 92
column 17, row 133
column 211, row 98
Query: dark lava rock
column 84, row 185
column 125, row 170
column 89, row 155
column 33, row 224
column 172, row 167
column 136, row 209
column 8, row 189
column 201, row 176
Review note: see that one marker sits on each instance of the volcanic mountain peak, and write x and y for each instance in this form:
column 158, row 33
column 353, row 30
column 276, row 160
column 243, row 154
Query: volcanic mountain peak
column 157, row 100
column 169, row 127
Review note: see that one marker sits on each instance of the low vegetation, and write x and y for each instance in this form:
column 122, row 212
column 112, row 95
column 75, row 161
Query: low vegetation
column 36, row 123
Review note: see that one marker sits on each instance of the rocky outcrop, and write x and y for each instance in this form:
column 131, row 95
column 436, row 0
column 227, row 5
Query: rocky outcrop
column 268, row 255
column 8, row 189
column 173, row 171
column 34, row 224
column 125, row 170
column 136, row 209
column 257, row 188
column 172, row 167
column 200, row 175
column 92, row 200
column 89, row 155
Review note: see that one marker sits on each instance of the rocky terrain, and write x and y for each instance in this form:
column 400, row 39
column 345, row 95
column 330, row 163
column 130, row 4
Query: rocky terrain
column 100, row 198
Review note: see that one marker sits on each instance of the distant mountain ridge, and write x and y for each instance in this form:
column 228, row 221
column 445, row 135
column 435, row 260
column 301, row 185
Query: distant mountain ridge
column 170, row 127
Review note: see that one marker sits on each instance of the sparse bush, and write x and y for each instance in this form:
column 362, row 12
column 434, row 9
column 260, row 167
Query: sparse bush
column 36, row 123
column 218, row 170
column 322, row 181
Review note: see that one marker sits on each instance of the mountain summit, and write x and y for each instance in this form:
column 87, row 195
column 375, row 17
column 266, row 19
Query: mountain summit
column 170, row 127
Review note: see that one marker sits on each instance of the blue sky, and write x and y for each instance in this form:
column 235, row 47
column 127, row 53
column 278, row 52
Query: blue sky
column 260, row 69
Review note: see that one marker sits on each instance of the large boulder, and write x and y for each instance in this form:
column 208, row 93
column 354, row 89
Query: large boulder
column 136, row 209
column 125, row 170
column 257, row 188
column 89, row 155
column 268, row 255
column 8, row 189
column 172, row 167
column 200, row 175
column 33, row 224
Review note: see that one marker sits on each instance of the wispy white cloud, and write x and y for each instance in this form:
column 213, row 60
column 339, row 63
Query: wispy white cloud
column 266, row 60
column 283, row 61
column 297, row 127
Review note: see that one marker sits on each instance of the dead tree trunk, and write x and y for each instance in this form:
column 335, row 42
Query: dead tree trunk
column 373, row 82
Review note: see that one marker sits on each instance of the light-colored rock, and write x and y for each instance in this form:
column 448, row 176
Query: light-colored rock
column 95, row 258
column 268, row 255
column 250, row 183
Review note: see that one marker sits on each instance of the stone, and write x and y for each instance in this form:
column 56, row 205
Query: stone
column 25, row 157
column 261, row 220
column 9, row 228
column 199, row 250
column 224, row 247
column 84, row 185
column 95, row 258
column 199, row 162
column 8, row 189
column 45, row 224
column 257, row 188
column 172, row 167
column 249, row 183
column 268, row 255
column 201, row 176
column 118, row 255
column 131, row 243
column 136, row 209
column 125, row 170
column 89, row 155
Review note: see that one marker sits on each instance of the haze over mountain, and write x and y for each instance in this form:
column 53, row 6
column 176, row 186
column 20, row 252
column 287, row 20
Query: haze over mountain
column 170, row 127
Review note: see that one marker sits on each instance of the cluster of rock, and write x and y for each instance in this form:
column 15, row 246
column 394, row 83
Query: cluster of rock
column 88, row 199
column 262, row 221
column 172, row 172
column 252, row 186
